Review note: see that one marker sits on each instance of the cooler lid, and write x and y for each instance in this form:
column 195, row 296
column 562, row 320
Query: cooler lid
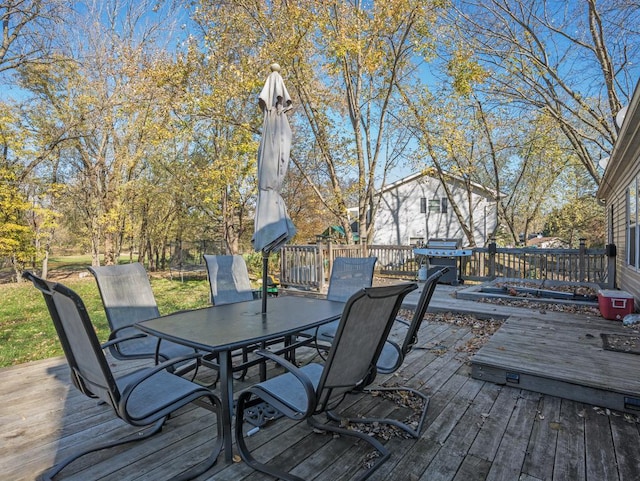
column 614, row 293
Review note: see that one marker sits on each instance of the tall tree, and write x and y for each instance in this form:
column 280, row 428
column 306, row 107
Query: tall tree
column 342, row 62
column 363, row 53
column 533, row 177
column 522, row 162
column 582, row 218
column 27, row 33
column 576, row 61
column 110, row 93
column 228, row 73
column 15, row 235
column 27, row 28
column 452, row 143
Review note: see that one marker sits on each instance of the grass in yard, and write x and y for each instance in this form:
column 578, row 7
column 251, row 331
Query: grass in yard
column 26, row 331
column 69, row 263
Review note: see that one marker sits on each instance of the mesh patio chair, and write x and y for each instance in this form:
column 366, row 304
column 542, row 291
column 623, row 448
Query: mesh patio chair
column 228, row 279
column 348, row 275
column 145, row 397
column 313, row 389
column 392, row 356
column 229, row 283
column 127, row 298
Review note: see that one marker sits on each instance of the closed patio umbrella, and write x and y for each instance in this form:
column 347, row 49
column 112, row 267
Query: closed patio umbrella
column 272, row 225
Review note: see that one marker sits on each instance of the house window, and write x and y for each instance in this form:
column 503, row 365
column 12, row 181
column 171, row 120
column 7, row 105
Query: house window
column 434, row 205
column 416, row 241
column 632, row 224
column 438, row 206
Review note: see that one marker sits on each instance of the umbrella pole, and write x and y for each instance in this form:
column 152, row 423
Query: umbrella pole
column 265, row 269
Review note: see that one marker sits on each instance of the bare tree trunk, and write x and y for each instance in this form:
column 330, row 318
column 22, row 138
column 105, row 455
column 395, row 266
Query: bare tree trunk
column 45, row 263
column 17, row 268
column 95, row 244
column 150, row 256
column 109, row 254
column 163, row 257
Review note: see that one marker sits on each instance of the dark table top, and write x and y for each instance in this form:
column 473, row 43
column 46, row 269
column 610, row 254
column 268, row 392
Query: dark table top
column 232, row 326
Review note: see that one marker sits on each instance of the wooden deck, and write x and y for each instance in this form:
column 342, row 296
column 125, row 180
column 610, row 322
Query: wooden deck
column 475, row 429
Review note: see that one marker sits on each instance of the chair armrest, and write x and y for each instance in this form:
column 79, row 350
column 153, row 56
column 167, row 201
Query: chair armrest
column 170, row 362
column 393, row 363
column 113, row 334
column 151, row 371
column 116, row 340
column 307, row 385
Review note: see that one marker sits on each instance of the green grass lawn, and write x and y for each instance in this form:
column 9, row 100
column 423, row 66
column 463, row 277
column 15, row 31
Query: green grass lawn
column 26, row 331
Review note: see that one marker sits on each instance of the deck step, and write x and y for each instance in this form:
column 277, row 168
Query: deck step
column 562, row 355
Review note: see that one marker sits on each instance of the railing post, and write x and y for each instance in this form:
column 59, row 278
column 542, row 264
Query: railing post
column 582, row 261
column 283, row 256
column 330, row 260
column 319, row 260
column 492, row 259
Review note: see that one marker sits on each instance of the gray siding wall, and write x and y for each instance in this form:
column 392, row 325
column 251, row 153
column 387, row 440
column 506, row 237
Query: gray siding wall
column 627, row 277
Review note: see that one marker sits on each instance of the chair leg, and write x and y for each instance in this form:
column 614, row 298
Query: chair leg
column 243, row 403
column 243, row 371
column 382, row 451
column 393, row 422
column 137, row 436
column 188, row 368
column 210, row 361
column 206, row 464
column 155, row 428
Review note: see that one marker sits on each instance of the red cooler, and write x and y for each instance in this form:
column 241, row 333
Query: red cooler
column 614, row 304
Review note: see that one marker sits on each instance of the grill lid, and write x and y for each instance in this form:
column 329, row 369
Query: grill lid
column 444, row 244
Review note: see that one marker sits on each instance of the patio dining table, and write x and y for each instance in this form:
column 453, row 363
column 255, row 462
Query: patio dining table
column 223, row 329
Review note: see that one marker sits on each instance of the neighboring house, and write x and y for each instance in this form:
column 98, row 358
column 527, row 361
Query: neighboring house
column 620, row 189
column 416, row 209
column 547, row 243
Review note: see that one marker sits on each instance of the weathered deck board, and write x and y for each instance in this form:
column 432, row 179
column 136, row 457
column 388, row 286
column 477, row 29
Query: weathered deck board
column 475, row 430
column 543, row 439
column 570, row 442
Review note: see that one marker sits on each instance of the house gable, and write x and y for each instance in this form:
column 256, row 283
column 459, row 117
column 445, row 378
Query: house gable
column 416, row 208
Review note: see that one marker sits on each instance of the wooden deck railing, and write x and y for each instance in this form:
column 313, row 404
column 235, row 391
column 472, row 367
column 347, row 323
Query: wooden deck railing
column 574, row 265
column 309, row 266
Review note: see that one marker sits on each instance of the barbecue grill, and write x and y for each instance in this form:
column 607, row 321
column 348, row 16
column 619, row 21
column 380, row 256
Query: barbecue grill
column 445, row 252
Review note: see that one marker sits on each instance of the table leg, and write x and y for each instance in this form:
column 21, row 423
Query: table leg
column 290, row 353
column 263, row 365
column 226, row 396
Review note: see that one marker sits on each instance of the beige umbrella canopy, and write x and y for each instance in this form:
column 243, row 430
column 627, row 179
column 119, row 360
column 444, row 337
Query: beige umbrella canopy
column 272, row 225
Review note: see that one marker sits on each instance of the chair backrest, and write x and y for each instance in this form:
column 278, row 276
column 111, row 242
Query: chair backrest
column 126, row 294
column 90, row 370
column 421, row 309
column 228, row 279
column 349, row 275
column 363, row 328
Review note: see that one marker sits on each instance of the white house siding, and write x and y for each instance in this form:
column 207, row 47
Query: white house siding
column 399, row 219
